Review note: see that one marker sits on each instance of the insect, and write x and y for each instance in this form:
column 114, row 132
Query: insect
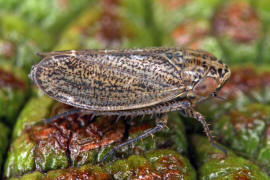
column 132, row 82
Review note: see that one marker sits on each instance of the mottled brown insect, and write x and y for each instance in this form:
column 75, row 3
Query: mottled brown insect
column 132, row 82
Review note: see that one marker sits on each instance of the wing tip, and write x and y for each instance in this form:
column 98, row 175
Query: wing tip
column 53, row 53
column 43, row 54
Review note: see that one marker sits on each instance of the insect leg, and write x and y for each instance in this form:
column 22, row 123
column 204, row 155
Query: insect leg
column 64, row 114
column 190, row 112
column 161, row 108
column 160, row 124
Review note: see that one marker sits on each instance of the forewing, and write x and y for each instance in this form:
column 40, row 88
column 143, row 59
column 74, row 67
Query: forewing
column 108, row 80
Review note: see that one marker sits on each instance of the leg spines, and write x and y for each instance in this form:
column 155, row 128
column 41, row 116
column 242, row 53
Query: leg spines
column 161, row 108
column 207, row 131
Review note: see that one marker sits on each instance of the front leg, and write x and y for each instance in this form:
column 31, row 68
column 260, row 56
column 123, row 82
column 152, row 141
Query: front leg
column 190, row 112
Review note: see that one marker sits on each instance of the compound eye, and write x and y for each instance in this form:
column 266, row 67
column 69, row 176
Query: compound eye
column 205, row 87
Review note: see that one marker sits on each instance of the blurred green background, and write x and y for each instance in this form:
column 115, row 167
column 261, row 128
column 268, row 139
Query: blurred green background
column 236, row 31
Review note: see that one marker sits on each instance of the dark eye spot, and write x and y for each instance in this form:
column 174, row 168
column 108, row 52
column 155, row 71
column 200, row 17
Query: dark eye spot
column 205, row 56
column 213, row 70
column 179, row 57
column 169, row 55
column 213, row 58
column 220, row 62
column 199, row 71
column 220, row 72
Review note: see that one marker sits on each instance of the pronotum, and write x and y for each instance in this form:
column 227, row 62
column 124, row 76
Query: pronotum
column 132, row 82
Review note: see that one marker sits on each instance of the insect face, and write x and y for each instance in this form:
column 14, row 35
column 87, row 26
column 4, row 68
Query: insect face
column 220, row 72
column 209, row 75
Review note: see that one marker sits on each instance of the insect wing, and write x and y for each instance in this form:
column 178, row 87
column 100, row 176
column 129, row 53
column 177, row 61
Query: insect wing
column 108, row 80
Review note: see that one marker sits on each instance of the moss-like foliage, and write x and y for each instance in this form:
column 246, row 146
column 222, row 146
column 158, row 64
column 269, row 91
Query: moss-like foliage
column 13, row 92
column 79, row 139
column 214, row 164
column 159, row 164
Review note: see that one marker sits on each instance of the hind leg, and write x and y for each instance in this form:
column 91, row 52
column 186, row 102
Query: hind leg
column 161, row 122
column 63, row 115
